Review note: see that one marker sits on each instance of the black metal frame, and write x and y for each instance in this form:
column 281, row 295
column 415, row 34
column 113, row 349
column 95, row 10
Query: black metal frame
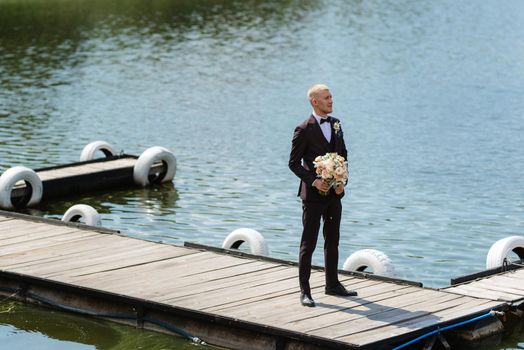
column 57, row 222
column 292, row 263
column 467, row 278
column 146, row 305
column 280, row 334
column 84, row 183
column 63, row 187
column 97, row 160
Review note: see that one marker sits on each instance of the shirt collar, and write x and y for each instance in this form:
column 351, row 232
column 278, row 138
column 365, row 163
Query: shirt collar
column 317, row 117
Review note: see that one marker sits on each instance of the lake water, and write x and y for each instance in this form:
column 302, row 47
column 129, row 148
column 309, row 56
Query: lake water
column 430, row 95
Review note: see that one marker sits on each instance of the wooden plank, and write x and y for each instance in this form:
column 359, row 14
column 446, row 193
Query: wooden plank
column 514, row 274
column 470, row 307
column 237, row 272
column 129, row 273
column 98, row 262
column 18, row 226
column 11, row 261
column 14, row 227
column 159, row 277
column 403, row 304
column 389, row 331
column 259, row 272
column 52, row 175
column 400, row 313
column 372, row 293
column 287, row 274
column 92, row 169
column 291, row 293
column 70, row 171
column 48, row 241
column 6, row 223
column 511, row 281
column 134, row 259
column 37, row 233
column 497, row 285
column 270, row 312
column 253, row 271
column 88, row 242
column 121, row 260
column 110, row 165
column 86, row 169
column 260, row 305
column 68, row 249
column 165, row 280
column 60, row 173
column 11, row 233
column 99, row 167
column 173, row 267
column 360, row 310
column 480, row 292
column 115, row 164
column 112, row 273
column 17, row 251
column 90, row 252
column 246, row 293
column 166, row 285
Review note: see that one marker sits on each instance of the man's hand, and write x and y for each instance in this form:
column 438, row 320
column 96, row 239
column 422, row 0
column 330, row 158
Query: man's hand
column 321, row 185
column 339, row 189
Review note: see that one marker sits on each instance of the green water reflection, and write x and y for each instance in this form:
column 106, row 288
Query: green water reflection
column 430, row 93
column 31, row 327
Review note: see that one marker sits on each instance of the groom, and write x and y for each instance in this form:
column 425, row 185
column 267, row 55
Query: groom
column 317, row 135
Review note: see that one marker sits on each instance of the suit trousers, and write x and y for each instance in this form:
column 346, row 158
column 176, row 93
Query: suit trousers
column 330, row 211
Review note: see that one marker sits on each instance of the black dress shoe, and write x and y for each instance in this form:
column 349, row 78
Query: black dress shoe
column 341, row 291
column 306, row 300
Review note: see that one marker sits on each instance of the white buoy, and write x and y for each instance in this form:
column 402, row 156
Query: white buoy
column 90, row 149
column 147, row 159
column 500, row 249
column 256, row 242
column 85, row 212
column 378, row 262
column 9, row 179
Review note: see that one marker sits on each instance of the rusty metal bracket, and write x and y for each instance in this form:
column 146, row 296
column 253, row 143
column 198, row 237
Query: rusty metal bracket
column 139, row 309
column 280, row 343
column 430, row 343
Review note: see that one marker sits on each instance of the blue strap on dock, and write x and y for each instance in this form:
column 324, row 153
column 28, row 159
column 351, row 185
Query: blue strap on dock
column 46, row 301
column 438, row 330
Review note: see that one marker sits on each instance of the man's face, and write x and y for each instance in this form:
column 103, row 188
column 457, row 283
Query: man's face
column 323, row 102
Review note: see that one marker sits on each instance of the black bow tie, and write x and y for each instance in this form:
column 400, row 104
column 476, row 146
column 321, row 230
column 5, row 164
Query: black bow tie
column 325, row 120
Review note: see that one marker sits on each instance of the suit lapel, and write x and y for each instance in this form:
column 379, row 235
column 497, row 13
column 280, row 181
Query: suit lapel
column 334, row 136
column 319, row 135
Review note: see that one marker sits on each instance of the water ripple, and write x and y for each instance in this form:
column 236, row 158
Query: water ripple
column 433, row 118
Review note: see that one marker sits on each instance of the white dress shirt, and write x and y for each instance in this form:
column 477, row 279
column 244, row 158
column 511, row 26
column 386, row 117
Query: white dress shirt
column 325, row 127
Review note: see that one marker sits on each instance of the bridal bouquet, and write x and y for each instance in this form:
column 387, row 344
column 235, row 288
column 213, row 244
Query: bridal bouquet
column 331, row 168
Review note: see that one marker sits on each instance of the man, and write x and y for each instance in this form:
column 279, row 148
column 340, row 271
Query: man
column 317, row 135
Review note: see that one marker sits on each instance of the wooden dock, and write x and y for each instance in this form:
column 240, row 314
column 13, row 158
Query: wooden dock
column 226, row 299
column 82, row 177
column 98, row 174
column 505, row 286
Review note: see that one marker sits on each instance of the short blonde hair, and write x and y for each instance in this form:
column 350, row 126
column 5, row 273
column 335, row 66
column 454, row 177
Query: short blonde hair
column 315, row 89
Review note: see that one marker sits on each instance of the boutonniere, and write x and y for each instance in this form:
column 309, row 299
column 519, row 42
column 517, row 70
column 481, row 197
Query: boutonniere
column 336, row 127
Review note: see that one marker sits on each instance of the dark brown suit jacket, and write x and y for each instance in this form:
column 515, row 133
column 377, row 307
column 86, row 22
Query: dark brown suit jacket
column 308, row 143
